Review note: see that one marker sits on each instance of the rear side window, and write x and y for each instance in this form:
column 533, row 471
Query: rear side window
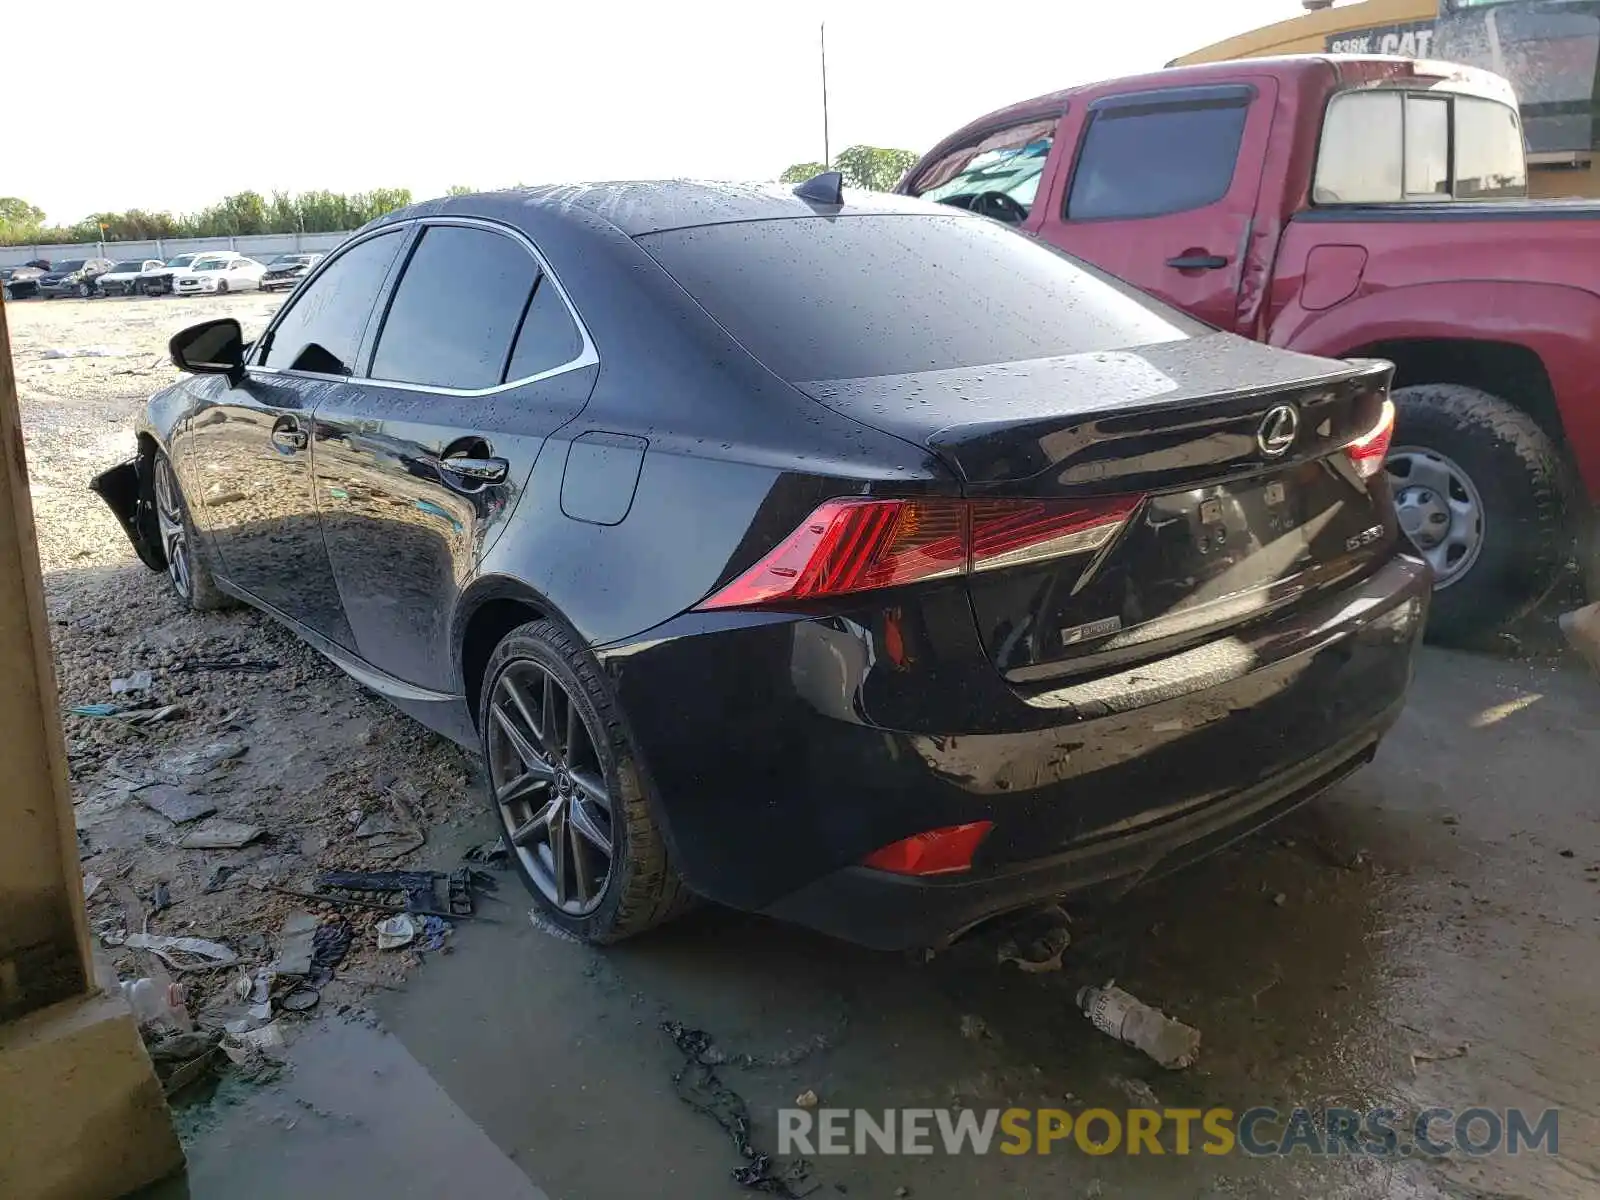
column 1147, row 160
column 1380, row 147
column 321, row 331
column 818, row 298
column 1489, row 157
column 456, row 310
column 997, row 176
column 548, row 338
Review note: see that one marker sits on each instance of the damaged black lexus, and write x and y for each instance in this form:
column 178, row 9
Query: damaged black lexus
column 840, row 557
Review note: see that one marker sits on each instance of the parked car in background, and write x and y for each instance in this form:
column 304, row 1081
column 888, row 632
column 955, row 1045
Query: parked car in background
column 123, row 278
column 287, row 270
column 849, row 559
column 1348, row 206
column 74, row 277
column 219, row 274
column 158, row 281
column 21, row 282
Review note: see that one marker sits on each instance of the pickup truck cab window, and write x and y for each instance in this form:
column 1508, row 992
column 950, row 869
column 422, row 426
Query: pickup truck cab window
column 1386, row 145
column 1147, row 157
column 997, row 175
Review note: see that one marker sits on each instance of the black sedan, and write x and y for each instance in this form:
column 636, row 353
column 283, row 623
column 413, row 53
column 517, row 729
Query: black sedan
column 74, row 277
column 841, row 557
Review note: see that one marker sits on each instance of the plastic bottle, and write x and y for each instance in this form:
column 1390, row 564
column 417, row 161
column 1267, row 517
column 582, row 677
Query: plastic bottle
column 1128, row 1019
column 154, row 1004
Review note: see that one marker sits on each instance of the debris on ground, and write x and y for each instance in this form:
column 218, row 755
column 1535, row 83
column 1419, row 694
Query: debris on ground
column 161, row 899
column 395, row 933
column 329, row 947
column 91, row 885
column 1123, row 1016
column 433, row 933
column 417, row 886
column 699, row 1086
column 183, row 953
column 139, row 681
column 95, row 710
column 976, row 1029
column 1137, row 1091
column 218, row 878
column 806, row 1099
column 302, row 999
column 174, row 803
column 1038, row 942
column 1429, row 1056
column 222, row 835
column 386, row 836
column 490, row 854
column 296, row 944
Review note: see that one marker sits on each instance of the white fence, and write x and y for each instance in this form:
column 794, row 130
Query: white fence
column 262, row 246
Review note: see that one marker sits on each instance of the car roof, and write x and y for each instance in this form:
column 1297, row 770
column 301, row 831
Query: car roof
column 651, row 206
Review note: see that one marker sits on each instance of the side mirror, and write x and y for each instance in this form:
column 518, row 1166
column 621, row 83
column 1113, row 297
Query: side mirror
column 210, row 348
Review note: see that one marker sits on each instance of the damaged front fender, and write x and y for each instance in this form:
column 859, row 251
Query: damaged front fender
column 128, row 491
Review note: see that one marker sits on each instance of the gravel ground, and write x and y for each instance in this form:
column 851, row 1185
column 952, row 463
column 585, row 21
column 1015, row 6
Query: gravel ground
column 264, row 728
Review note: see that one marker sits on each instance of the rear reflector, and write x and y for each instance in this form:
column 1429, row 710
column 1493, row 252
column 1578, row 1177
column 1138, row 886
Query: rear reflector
column 1369, row 450
column 937, row 852
column 850, row 546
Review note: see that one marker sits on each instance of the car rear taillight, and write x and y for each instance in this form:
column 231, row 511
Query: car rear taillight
column 937, row 852
column 1369, row 450
column 850, row 546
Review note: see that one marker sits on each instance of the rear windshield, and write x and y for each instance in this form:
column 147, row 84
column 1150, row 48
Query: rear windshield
column 828, row 298
column 72, row 264
column 122, row 268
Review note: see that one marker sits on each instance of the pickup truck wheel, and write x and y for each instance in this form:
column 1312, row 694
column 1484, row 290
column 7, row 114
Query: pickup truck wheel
column 188, row 569
column 1483, row 494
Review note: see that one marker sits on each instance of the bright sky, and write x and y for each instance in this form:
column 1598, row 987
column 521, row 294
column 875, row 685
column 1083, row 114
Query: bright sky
column 189, row 101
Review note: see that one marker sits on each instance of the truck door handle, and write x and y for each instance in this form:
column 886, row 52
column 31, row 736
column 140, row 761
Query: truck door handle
column 1197, row 262
column 289, row 437
column 477, row 470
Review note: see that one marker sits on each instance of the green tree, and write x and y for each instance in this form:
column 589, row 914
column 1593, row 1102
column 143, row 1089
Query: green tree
column 800, row 172
column 459, row 189
column 873, row 168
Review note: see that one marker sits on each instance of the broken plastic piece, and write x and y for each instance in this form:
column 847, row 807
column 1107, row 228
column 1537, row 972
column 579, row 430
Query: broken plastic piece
column 490, row 854
column 1128, row 1019
column 139, row 681
column 302, row 999
column 96, row 710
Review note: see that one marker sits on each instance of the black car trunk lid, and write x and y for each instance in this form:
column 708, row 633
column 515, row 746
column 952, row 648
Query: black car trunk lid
column 1218, row 464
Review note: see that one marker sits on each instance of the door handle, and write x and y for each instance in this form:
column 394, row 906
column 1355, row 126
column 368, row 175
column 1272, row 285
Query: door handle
column 477, row 470
column 289, row 437
column 1197, row 262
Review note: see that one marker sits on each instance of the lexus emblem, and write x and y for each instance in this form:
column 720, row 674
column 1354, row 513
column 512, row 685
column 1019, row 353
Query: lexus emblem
column 1278, row 430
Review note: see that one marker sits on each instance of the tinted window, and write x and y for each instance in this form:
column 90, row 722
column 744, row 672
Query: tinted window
column 1427, row 146
column 321, row 331
column 456, row 310
column 1007, row 164
column 548, row 337
column 844, row 298
column 1489, row 158
column 1147, row 161
column 72, row 264
column 128, row 266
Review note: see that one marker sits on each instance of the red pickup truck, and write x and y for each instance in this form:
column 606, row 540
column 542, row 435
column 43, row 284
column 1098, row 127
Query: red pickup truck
column 1348, row 206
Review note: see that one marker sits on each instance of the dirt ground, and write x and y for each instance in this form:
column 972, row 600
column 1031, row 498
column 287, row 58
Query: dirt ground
column 1423, row 935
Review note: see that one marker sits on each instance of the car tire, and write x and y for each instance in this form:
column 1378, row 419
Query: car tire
column 188, row 563
column 640, row 889
column 222, row 287
column 85, row 291
column 1474, row 466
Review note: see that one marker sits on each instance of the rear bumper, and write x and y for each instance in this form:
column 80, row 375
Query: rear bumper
column 785, row 750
